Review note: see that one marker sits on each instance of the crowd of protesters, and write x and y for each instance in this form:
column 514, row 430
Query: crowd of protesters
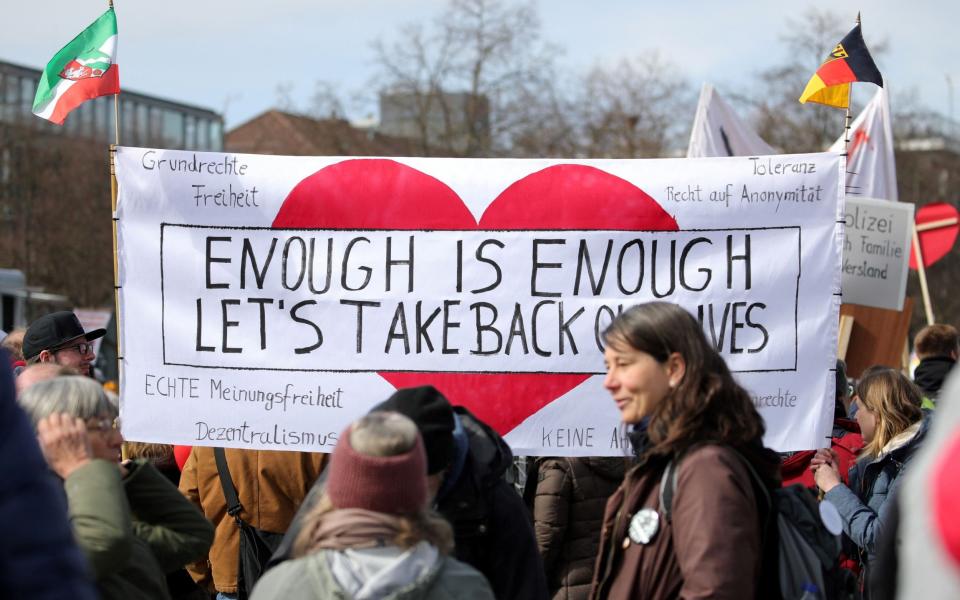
column 417, row 499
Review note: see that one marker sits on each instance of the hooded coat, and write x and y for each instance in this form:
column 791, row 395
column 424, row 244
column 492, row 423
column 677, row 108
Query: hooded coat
column 862, row 503
column 492, row 528
column 571, row 494
column 382, row 573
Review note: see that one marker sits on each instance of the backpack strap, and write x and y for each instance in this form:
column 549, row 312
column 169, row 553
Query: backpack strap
column 757, row 480
column 226, row 482
column 668, row 487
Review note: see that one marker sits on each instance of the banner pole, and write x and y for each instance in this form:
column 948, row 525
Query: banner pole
column 116, row 276
column 922, row 272
column 113, row 220
column 846, row 131
column 116, row 262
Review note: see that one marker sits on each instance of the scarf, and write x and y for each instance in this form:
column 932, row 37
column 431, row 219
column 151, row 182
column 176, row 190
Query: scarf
column 347, row 528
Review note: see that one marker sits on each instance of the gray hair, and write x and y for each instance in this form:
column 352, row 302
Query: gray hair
column 383, row 433
column 75, row 395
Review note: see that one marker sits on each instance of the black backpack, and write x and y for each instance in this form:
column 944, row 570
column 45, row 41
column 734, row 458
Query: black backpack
column 807, row 554
column 256, row 545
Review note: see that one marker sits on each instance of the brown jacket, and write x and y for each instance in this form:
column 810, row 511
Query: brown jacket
column 710, row 549
column 568, row 513
column 270, row 484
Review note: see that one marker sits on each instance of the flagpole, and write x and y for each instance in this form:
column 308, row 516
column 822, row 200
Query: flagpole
column 846, row 118
column 116, row 262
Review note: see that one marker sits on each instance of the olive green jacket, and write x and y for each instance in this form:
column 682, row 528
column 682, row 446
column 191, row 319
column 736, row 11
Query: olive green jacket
column 133, row 530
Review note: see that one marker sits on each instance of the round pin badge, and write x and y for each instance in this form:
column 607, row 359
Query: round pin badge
column 644, row 525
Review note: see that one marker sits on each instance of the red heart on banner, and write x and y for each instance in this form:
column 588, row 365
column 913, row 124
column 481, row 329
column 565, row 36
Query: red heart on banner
column 385, row 194
column 935, row 243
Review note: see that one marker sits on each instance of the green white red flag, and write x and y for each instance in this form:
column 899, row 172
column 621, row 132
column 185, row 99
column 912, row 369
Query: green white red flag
column 83, row 69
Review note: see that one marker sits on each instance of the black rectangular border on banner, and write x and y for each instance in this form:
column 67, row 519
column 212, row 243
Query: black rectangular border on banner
column 163, row 225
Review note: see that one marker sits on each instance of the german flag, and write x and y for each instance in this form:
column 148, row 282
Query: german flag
column 848, row 62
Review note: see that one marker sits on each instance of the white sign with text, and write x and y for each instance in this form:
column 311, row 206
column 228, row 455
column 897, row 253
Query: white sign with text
column 267, row 301
column 876, row 252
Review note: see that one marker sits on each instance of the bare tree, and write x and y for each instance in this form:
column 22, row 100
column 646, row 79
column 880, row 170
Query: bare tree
column 325, row 102
column 470, row 83
column 545, row 122
column 55, row 196
column 632, row 109
column 283, row 94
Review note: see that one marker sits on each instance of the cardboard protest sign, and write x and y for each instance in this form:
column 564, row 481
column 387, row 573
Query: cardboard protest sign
column 267, row 301
column 876, row 252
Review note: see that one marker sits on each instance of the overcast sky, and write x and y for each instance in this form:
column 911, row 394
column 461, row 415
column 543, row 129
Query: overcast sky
column 230, row 56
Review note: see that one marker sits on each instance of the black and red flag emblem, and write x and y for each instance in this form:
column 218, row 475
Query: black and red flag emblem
column 849, row 61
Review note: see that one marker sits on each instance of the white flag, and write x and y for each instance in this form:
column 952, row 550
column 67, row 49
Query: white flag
column 717, row 131
column 871, row 171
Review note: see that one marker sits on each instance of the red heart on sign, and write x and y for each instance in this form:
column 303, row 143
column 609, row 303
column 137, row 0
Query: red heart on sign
column 385, row 194
column 936, row 242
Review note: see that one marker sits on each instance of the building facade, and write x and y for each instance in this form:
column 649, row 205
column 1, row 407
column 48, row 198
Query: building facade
column 448, row 123
column 55, row 204
column 145, row 120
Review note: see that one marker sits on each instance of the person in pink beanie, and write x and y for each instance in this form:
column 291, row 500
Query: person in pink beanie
column 372, row 535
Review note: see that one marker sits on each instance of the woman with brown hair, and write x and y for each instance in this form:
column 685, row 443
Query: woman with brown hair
column 893, row 426
column 662, row 372
column 372, row 534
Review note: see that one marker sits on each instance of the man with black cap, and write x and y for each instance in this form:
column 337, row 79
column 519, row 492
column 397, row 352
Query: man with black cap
column 466, row 462
column 59, row 338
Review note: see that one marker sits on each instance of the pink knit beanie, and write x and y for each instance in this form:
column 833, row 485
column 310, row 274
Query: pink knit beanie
column 394, row 485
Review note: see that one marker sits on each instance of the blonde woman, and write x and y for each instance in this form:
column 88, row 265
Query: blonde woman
column 893, row 426
column 372, row 534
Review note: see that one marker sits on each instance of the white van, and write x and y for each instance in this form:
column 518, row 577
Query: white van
column 13, row 299
column 20, row 304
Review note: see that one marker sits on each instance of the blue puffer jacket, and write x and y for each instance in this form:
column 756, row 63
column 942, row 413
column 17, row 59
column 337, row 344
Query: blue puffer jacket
column 863, row 502
column 38, row 557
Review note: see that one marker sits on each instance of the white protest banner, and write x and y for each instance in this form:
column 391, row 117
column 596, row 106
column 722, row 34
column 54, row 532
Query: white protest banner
column 876, row 252
column 718, row 131
column 871, row 169
column 267, row 301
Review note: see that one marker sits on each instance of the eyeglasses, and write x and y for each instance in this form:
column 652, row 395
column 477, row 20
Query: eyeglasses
column 103, row 425
column 83, row 348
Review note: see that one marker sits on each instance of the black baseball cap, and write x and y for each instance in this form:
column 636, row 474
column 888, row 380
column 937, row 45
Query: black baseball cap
column 52, row 331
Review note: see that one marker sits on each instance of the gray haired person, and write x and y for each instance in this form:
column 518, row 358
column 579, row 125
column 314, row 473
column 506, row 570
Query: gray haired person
column 129, row 556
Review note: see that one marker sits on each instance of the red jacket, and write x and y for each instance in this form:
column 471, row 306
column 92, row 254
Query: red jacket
column 846, row 442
